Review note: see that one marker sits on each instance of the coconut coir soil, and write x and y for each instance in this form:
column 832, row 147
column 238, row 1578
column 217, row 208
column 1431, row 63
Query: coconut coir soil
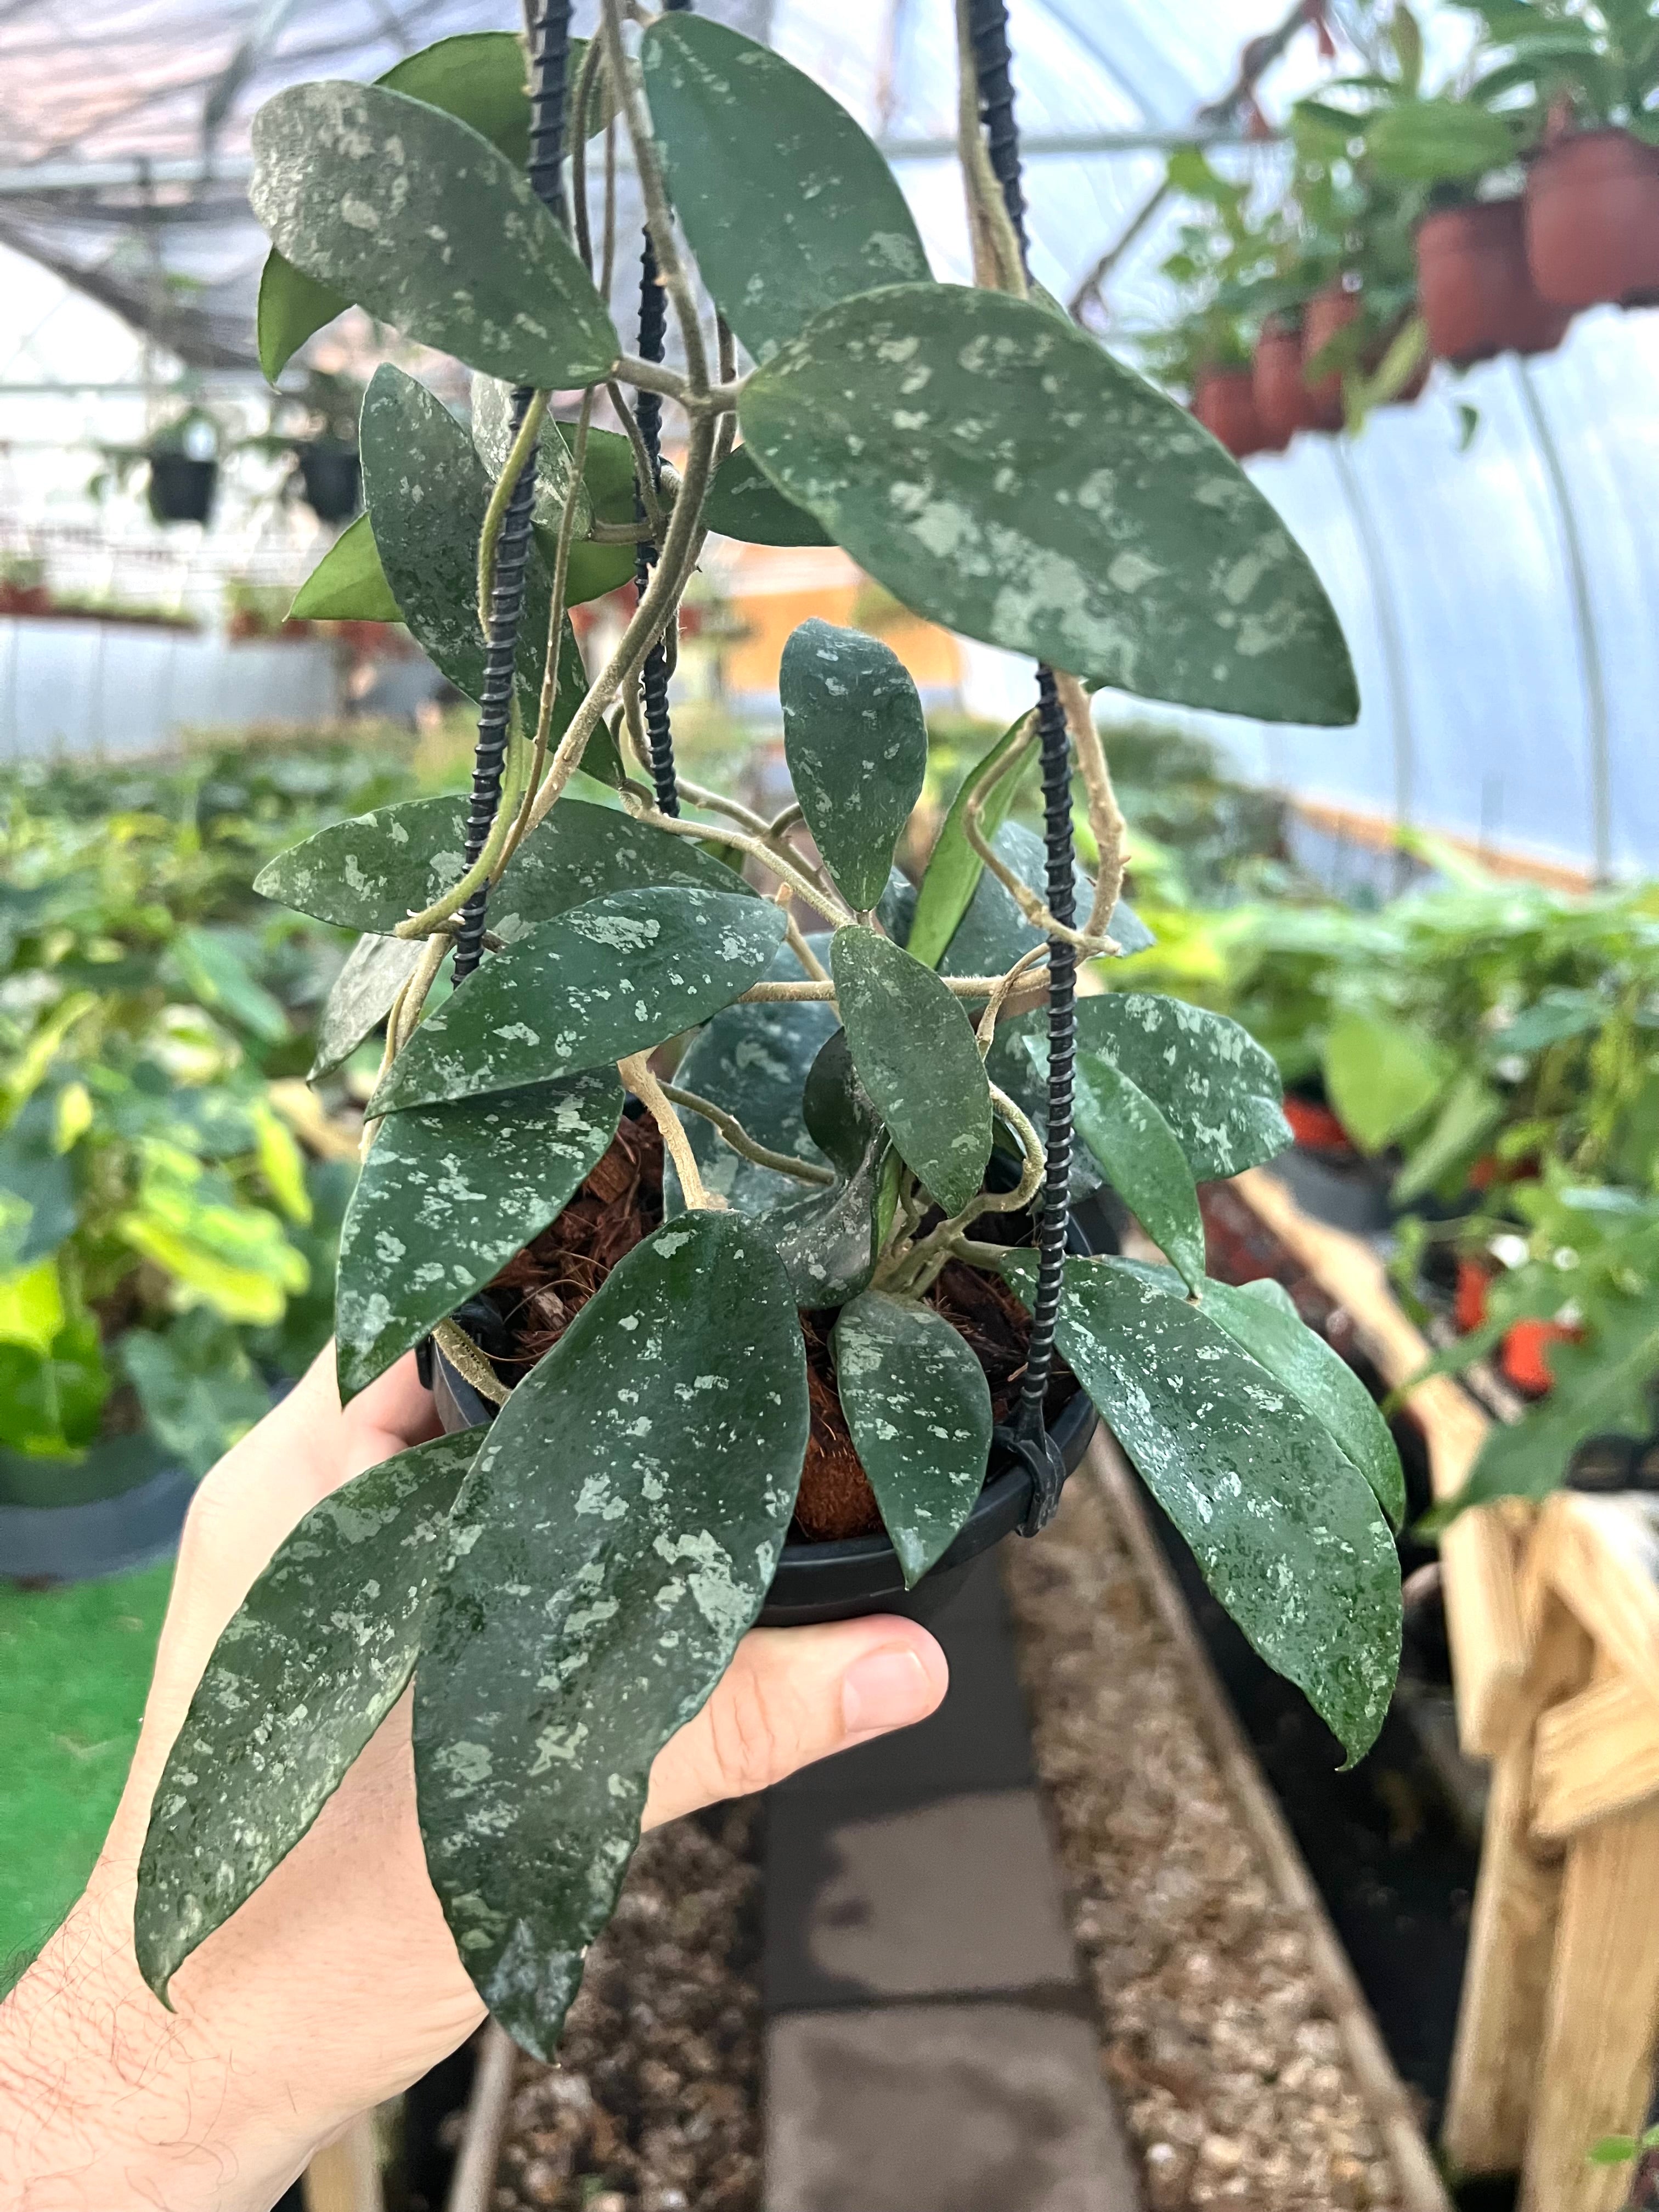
column 540, row 1292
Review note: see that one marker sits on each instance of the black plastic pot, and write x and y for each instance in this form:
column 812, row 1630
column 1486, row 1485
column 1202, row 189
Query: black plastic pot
column 98, row 1537
column 333, row 479
column 181, row 490
column 854, row 1575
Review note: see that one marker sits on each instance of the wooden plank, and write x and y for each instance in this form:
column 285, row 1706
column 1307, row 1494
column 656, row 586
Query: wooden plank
column 1500, row 2020
column 1596, row 1755
column 344, row 2176
column 1602, row 1556
column 1478, row 1551
column 1596, row 2071
column 1422, row 2189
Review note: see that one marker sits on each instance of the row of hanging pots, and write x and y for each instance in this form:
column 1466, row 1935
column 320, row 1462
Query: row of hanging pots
column 1495, row 277
column 182, row 489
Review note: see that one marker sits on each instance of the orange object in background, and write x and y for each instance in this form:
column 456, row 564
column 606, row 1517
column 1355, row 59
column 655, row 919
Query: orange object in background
column 774, row 590
column 1315, row 1125
column 1525, row 1356
column 1469, row 1299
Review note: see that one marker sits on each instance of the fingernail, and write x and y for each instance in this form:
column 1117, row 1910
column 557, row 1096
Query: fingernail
column 885, row 1690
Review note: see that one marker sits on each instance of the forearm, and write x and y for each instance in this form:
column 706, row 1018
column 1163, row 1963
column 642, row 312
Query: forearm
column 108, row 2103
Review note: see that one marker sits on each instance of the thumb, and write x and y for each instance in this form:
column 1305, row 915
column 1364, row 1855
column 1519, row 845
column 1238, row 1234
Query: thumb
column 790, row 1696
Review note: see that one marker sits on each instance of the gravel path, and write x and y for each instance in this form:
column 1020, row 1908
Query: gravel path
column 1229, row 2071
column 656, row 2106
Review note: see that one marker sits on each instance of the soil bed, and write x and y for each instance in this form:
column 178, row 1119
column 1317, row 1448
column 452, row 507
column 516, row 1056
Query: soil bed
column 655, row 2104
column 1230, row 2071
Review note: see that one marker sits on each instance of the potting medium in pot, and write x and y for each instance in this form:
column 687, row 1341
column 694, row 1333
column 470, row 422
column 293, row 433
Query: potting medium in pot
column 1474, row 288
column 1592, row 221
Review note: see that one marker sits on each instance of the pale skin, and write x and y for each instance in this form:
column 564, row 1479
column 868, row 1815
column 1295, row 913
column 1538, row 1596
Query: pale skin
column 337, row 1985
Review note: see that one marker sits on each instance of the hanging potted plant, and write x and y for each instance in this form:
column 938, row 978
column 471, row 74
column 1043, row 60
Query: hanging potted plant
column 565, row 1583
column 1206, row 353
column 182, row 457
column 1586, row 81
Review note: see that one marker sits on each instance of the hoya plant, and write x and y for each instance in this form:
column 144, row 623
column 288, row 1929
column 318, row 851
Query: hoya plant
column 863, row 1088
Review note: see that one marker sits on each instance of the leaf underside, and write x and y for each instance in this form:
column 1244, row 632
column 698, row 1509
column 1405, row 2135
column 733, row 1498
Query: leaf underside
column 376, row 968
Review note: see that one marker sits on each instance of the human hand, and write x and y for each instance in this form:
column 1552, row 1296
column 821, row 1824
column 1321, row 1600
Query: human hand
column 337, row 1983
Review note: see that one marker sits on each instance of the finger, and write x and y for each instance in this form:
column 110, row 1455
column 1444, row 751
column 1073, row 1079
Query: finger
column 394, row 1412
column 791, row 1695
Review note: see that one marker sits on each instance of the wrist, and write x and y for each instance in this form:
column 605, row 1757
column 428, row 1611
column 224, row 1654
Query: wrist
column 109, row 2103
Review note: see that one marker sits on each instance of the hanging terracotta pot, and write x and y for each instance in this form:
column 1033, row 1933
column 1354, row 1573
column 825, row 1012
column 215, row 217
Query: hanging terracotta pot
column 1474, row 288
column 1284, row 403
column 1329, row 313
column 1223, row 400
column 1592, row 217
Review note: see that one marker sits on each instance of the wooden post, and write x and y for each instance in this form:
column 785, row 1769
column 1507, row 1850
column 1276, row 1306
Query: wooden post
column 1596, row 2073
column 1512, row 1933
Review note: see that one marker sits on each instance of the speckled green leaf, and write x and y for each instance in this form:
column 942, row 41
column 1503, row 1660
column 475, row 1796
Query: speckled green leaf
column 373, row 872
column 856, row 744
column 1213, row 1084
column 492, row 435
column 1284, row 1526
column 427, row 492
column 605, row 492
column 1142, row 1159
column 954, row 868
column 616, row 977
column 477, row 76
column 347, row 584
column 1003, row 474
column 312, row 1662
column 743, row 502
column 585, row 1617
column 754, row 1061
column 913, row 1049
column 919, row 1408
column 417, row 218
column 375, row 970
column 446, row 1196
column 993, row 933
column 827, row 1239
column 292, row 307
column 787, row 203
column 838, row 1111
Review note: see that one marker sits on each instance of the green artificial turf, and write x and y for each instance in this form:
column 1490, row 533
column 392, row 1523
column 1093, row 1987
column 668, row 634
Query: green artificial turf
column 75, row 1666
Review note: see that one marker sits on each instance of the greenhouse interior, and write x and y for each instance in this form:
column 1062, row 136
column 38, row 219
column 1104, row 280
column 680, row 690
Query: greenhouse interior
column 829, row 1106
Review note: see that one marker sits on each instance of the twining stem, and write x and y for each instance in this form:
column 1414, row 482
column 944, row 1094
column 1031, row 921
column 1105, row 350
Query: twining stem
column 986, row 1033
column 761, row 994
column 740, row 1140
column 999, row 264
column 797, row 942
column 485, row 868
column 635, row 1072
column 658, row 216
column 679, row 551
column 579, row 107
column 643, row 471
column 522, row 448
column 554, row 633
column 909, row 1272
column 835, row 911
column 1105, row 816
column 458, row 1349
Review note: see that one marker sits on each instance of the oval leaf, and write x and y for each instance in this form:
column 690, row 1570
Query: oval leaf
column 1000, row 472
column 1285, row 1529
column 1382, row 1075
column 828, row 1240
column 743, row 502
column 913, row 1049
column 585, row 1619
column 1207, row 1076
column 835, row 1105
column 415, row 216
column 856, row 743
column 919, row 1408
column 347, row 584
column 317, row 1655
column 606, row 979
column 954, row 868
column 446, row 1196
column 427, row 492
column 376, row 968
column 292, row 307
column 741, row 129
column 374, row 871
column 1142, row 1159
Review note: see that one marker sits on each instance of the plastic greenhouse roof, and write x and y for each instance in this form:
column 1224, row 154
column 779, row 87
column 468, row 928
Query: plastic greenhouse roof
column 172, row 80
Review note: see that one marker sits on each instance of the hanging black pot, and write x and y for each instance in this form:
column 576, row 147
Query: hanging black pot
column 332, row 475
column 181, row 490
